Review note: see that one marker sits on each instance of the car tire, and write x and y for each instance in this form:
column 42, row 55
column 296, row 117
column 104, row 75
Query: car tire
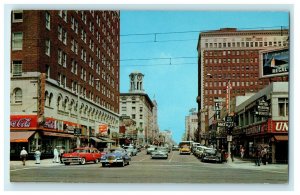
column 122, row 163
column 96, row 161
column 82, row 161
column 67, row 163
column 127, row 162
column 103, row 165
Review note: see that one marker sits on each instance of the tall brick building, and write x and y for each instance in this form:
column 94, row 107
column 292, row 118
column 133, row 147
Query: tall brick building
column 64, row 76
column 232, row 56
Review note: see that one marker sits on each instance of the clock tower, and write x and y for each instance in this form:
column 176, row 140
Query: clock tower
column 136, row 82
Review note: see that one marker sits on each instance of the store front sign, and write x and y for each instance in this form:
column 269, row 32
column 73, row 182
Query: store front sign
column 280, row 126
column 23, row 121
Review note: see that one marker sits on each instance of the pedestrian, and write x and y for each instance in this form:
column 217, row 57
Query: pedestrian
column 61, row 152
column 264, row 155
column 23, row 155
column 258, row 156
column 242, row 151
column 37, row 156
column 55, row 153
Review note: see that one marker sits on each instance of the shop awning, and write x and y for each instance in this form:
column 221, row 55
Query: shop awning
column 106, row 140
column 96, row 139
column 21, row 136
column 281, row 137
column 58, row 134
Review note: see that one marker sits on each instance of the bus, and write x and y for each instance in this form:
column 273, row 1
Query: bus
column 185, row 147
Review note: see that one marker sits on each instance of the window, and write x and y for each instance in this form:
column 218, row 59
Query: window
column 47, row 20
column 47, row 47
column 63, row 14
column 17, row 41
column 17, row 68
column 64, row 36
column 141, row 116
column 64, row 60
column 47, row 71
column 59, row 30
column 283, row 106
column 59, row 57
column 17, row 16
column 18, row 95
column 133, row 116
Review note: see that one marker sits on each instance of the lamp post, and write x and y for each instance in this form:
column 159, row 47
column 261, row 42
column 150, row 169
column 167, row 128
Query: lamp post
column 229, row 136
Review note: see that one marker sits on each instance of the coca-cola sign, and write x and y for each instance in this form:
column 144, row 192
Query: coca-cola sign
column 23, row 121
column 50, row 123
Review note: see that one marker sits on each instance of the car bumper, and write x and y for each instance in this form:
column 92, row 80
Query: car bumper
column 111, row 161
column 70, row 160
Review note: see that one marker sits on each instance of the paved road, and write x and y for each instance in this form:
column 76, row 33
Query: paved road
column 177, row 169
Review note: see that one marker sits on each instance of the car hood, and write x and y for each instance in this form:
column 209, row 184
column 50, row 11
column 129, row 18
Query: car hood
column 74, row 154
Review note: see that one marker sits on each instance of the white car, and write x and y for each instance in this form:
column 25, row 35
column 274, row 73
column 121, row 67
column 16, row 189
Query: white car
column 151, row 149
column 131, row 150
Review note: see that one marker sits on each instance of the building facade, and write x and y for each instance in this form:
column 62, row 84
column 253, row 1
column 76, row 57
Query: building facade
column 268, row 127
column 64, row 76
column 229, row 59
column 137, row 105
column 191, row 125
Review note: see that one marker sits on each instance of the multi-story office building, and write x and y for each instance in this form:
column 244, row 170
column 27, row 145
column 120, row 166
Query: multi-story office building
column 229, row 58
column 137, row 105
column 64, row 76
column 233, row 55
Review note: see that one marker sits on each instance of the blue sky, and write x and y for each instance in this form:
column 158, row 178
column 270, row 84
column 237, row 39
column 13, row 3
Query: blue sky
column 175, row 86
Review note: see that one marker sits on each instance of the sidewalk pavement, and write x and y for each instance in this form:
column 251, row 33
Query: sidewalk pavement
column 31, row 163
column 250, row 164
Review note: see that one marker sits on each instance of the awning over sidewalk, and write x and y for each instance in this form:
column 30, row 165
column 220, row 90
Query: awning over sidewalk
column 21, row 136
column 106, row 140
column 281, row 137
column 96, row 139
column 58, row 134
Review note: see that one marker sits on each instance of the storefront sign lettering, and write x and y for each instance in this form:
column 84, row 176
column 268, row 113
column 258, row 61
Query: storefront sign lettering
column 50, row 124
column 281, row 126
column 21, row 123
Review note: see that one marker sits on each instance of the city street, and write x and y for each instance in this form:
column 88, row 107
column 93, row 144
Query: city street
column 142, row 169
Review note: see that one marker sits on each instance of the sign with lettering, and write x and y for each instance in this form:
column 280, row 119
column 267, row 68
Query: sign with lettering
column 280, row 126
column 23, row 121
column 275, row 62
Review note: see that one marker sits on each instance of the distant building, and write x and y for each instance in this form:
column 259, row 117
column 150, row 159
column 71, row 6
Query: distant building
column 64, row 76
column 137, row 106
column 191, row 124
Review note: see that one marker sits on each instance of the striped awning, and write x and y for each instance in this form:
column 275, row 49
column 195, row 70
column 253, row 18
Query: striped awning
column 20, row 136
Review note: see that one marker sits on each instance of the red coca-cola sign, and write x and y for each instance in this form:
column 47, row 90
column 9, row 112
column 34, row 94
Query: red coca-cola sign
column 23, row 121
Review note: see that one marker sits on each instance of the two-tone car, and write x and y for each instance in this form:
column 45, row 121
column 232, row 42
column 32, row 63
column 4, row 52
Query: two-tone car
column 82, row 155
column 116, row 156
column 160, row 152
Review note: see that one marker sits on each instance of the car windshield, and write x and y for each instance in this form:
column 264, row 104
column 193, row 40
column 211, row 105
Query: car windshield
column 80, row 150
column 210, row 151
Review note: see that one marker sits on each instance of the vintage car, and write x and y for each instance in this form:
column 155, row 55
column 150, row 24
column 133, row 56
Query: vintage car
column 116, row 156
column 150, row 149
column 198, row 152
column 184, row 149
column 160, row 152
column 131, row 150
column 211, row 155
column 82, row 155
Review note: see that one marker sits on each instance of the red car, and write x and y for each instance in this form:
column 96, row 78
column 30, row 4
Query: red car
column 82, row 155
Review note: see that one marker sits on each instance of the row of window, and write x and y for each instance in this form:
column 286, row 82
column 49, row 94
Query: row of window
column 17, row 98
column 232, row 44
column 249, row 117
column 231, row 67
column 230, row 60
column 233, row 83
column 232, row 53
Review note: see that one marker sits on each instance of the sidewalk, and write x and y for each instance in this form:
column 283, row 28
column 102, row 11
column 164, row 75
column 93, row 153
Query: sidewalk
column 31, row 163
column 249, row 164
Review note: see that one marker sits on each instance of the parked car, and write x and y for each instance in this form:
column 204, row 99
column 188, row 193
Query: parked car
column 199, row 151
column 117, row 156
column 211, row 155
column 131, row 150
column 160, row 152
column 82, row 155
column 150, row 149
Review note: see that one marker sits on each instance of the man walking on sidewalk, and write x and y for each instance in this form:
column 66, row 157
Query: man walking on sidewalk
column 23, row 155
